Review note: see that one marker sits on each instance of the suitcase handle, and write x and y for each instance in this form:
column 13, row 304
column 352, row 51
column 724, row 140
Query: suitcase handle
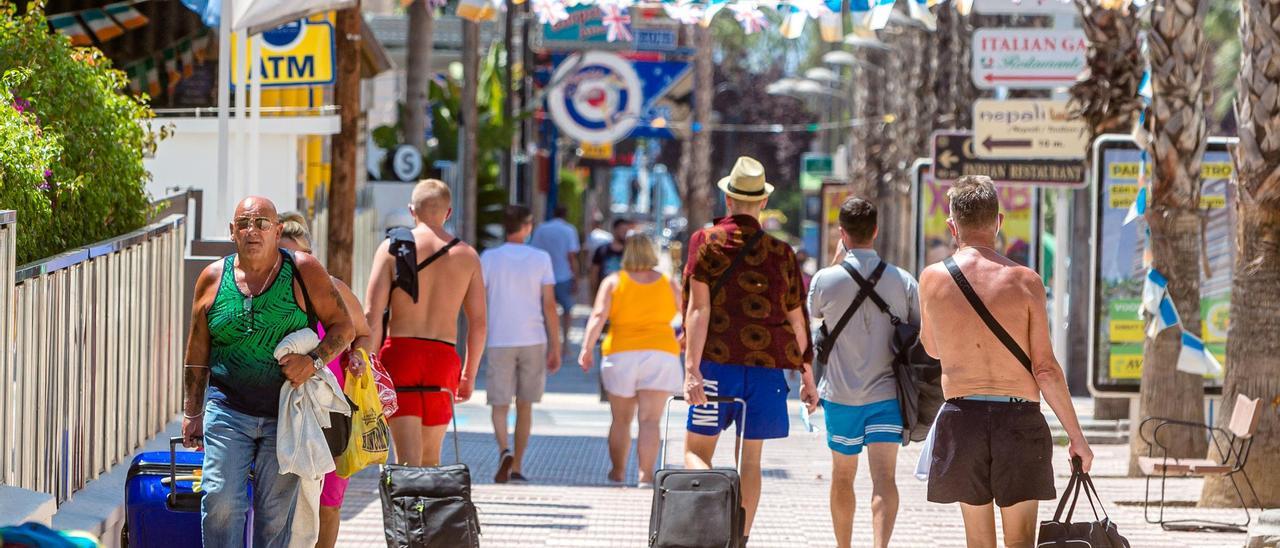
column 666, row 424
column 453, row 412
column 176, row 500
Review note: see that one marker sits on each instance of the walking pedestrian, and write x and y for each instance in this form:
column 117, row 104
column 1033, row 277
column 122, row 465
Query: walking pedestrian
column 740, row 342
column 297, row 238
column 858, row 390
column 984, row 317
column 244, row 305
column 641, row 365
column 412, row 308
column 560, row 240
column 607, row 259
column 524, row 342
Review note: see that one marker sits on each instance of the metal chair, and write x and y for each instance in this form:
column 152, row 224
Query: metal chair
column 1237, row 439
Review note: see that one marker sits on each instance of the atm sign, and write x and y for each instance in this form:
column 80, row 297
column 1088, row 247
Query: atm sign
column 299, row 53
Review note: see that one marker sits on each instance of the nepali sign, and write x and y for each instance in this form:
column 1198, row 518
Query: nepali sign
column 298, row 53
column 1027, row 128
column 954, row 157
column 1027, row 58
column 1025, row 7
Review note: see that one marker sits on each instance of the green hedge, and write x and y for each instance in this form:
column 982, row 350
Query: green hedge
column 71, row 160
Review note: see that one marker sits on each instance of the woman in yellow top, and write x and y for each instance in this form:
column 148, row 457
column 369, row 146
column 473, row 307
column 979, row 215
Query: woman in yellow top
column 641, row 365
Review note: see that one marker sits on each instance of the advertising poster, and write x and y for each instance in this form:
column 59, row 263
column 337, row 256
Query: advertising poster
column 1122, row 259
column 1018, row 238
column 833, row 195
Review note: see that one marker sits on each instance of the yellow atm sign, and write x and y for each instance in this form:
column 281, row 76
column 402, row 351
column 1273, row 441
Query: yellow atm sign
column 298, row 53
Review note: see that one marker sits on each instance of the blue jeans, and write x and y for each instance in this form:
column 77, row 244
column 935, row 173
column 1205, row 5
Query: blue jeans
column 234, row 444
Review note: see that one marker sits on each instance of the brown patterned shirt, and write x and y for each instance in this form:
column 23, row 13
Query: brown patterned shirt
column 748, row 324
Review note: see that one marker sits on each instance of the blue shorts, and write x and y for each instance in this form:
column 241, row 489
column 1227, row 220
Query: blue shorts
column 849, row 427
column 765, row 391
column 564, row 295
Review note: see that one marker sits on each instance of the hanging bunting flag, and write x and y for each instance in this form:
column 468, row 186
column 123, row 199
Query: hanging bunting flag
column 750, row 17
column 68, row 25
column 964, row 6
column 1154, row 289
column 101, row 25
column 1165, row 316
column 684, row 12
column 477, row 11
column 135, row 78
column 153, row 78
column 187, row 57
column 1144, row 88
column 1194, row 358
column 1139, row 206
column 919, row 10
column 831, row 22
column 713, row 7
column 172, row 73
column 124, row 14
column 793, row 21
column 200, row 47
column 550, row 12
column 880, row 12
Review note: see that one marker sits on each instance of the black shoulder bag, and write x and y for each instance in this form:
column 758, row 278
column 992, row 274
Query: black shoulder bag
column 405, row 250
column 338, row 434
column 985, row 314
column 825, row 342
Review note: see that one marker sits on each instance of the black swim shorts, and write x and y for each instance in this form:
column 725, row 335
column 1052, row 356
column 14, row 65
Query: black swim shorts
column 984, row 451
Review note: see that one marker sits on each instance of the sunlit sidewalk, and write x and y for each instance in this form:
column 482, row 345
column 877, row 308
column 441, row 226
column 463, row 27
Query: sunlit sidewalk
column 569, row 502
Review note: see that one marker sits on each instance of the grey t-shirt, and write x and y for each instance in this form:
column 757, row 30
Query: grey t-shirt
column 859, row 370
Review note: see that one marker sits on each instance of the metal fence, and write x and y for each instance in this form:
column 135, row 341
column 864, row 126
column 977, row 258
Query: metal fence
column 92, row 368
column 368, row 234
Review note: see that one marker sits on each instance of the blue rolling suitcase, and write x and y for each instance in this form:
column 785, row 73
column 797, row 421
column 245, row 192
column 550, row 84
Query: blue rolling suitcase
column 161, row 510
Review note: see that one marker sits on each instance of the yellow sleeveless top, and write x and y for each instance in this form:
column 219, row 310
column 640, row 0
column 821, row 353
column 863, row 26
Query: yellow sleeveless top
column 640, row 317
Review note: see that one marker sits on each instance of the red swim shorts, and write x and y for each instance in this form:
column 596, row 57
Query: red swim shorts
column 422, row 362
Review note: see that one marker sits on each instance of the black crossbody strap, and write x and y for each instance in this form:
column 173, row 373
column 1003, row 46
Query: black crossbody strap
column 869, row 285
column 439, row 253
column 985, row 314
column 737, row 260
column 312, row 319
column 857, row 301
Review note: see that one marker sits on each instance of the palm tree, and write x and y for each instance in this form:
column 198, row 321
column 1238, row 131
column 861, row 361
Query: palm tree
column 1107, row 99
column 1253, row 345
column 1178, row 137
column 417, row 74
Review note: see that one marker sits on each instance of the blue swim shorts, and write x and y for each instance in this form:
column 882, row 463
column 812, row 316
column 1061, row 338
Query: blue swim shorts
column 850, row 427
column 765, row 391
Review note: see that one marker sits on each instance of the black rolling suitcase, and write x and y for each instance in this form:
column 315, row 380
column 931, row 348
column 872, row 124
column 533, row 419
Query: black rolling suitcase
column 429, row 507
column 697, row 508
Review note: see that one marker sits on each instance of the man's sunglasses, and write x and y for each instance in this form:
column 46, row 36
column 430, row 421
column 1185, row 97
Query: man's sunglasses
column 262, row 223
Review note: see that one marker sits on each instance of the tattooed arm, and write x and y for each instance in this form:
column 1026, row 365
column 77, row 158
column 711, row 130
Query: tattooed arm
column 195, row 376
column 332, row 313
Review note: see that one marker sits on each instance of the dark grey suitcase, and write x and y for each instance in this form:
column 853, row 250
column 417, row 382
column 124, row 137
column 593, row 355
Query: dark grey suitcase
column 429, row 506
column 697, row 508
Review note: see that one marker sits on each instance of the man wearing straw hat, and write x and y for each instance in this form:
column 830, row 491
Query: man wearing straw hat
column 746, row 325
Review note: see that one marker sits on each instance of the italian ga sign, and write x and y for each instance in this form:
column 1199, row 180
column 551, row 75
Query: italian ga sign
column 1027, row 58
column 298, row 53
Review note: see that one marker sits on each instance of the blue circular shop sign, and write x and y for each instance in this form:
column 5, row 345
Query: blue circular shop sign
column 597, row 98
column 284, row 35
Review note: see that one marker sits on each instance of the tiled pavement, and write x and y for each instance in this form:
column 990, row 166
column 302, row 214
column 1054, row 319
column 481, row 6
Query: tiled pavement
column 570, row 504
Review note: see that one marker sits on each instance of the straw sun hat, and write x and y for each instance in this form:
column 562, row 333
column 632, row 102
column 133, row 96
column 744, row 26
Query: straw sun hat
column 746, row 182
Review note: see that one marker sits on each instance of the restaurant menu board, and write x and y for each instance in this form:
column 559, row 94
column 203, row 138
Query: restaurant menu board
column 1018, row 238
column 1122, row 257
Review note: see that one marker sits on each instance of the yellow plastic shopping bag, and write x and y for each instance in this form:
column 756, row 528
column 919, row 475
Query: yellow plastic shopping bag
column 369, row 434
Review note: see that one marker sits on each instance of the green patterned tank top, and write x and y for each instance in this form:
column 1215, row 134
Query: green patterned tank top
column 244, row 333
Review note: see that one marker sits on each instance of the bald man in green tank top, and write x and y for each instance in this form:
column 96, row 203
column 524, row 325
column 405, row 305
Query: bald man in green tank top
column 244, row 305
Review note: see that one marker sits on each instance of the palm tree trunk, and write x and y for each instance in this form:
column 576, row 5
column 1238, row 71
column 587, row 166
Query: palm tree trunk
column 1107, row 99
column 417, row 75
column 700, row 205
column 1253, row 343
column 1178, row 138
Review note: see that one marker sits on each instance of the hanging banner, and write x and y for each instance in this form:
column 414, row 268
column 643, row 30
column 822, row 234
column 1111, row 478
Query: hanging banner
column 1121, row 276
column 298, row 53
column 1018, row 239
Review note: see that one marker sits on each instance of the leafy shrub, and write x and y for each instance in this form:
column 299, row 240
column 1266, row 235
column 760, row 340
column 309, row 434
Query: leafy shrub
column 95, row 185
column 26, row 154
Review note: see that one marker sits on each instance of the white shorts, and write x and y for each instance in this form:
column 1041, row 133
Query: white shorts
column 624, row 373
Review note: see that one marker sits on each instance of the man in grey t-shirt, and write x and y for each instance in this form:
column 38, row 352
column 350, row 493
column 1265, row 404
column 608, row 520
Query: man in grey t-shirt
column 858, row 390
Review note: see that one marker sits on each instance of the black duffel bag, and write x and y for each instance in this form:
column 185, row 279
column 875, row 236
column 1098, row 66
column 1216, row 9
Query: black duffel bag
column 1061, row 532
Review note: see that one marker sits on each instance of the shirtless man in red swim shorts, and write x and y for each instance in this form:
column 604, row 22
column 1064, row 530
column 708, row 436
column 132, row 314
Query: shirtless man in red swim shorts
column 422, row 332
